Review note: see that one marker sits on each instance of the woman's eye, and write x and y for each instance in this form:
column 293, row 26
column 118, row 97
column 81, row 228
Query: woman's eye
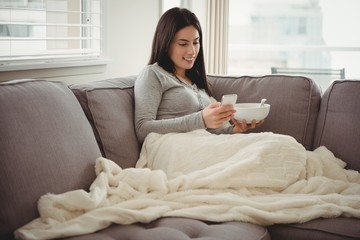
column 186, row 44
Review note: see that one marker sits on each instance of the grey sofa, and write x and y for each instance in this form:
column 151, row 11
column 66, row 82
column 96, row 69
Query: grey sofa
column 51, row 134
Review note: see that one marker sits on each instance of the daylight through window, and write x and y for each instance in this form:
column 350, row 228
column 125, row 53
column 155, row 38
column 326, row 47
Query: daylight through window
column 49, row 30
column 309, row 35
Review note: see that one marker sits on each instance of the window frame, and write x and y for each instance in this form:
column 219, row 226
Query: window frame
column 14, row 64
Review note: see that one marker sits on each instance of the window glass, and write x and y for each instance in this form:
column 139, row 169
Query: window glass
column 306, row 34
column 49, row 30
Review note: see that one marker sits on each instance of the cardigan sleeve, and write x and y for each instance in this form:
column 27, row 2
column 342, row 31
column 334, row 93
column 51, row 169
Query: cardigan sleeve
column 149, row 89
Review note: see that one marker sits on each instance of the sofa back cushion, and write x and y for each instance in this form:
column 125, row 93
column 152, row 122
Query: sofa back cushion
column 294, row 102
column 109, row 107
column 47, row 145
column 338, row 123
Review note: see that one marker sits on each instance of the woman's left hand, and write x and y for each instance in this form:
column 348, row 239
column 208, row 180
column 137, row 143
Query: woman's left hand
column 241, row 127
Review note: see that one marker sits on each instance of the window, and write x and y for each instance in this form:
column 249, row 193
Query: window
column 44, row 31
column 307, row 34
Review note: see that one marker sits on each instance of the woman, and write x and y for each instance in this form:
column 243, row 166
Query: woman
column 172, row 93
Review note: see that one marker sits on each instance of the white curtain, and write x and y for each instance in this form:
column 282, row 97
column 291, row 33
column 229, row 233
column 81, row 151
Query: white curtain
column 216, row 36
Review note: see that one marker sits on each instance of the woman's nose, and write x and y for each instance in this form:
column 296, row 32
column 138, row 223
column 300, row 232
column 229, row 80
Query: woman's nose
column 192, row 49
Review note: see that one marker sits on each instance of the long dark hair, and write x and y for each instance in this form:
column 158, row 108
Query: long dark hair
column 169, row 24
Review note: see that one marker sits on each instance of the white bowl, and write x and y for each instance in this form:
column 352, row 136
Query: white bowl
column 250, row 111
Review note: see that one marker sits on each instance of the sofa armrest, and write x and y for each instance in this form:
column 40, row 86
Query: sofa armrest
column 338, row 122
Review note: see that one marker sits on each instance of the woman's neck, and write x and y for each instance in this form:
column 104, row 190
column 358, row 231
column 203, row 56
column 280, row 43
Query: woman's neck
column 180, row 74
column 183, row 78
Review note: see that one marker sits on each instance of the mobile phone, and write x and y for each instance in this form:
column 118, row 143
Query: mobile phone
column 229, row 99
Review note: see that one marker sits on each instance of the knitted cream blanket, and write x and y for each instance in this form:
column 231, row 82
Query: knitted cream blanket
column 262, row 178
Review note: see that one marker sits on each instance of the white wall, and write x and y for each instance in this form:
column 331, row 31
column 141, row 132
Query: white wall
column 129, row 28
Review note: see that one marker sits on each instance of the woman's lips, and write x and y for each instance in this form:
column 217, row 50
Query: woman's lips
column 189, row 59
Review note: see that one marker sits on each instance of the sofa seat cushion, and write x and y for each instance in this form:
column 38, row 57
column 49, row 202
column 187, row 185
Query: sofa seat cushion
column 329, row 229
column 109, row 107
column 338, row 123
column 47, row 145
column 180, row 229
column 294, row 101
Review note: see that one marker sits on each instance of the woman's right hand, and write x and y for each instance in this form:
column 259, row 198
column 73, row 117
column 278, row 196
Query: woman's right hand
column 215, row 115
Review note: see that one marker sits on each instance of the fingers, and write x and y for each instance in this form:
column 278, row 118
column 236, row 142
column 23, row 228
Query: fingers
column 260, row 123
column 224, row 112
column 252, row 125
column 215, row 115
column 239, row 126
column 255, row 124
column 243, row 126
column 214, row 105
column 227, row 110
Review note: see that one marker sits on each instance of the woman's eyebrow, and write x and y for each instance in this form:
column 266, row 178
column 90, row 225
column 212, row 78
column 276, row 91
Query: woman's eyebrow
column 188, row 40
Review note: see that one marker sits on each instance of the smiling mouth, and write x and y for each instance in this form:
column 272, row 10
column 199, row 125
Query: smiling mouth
column 189, row 58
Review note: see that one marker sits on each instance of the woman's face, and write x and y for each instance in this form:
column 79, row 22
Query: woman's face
column 184, row 49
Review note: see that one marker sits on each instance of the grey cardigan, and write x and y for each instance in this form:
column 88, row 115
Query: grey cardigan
column 164, row 104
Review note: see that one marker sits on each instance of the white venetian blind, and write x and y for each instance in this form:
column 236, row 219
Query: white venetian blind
column 49, row 30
